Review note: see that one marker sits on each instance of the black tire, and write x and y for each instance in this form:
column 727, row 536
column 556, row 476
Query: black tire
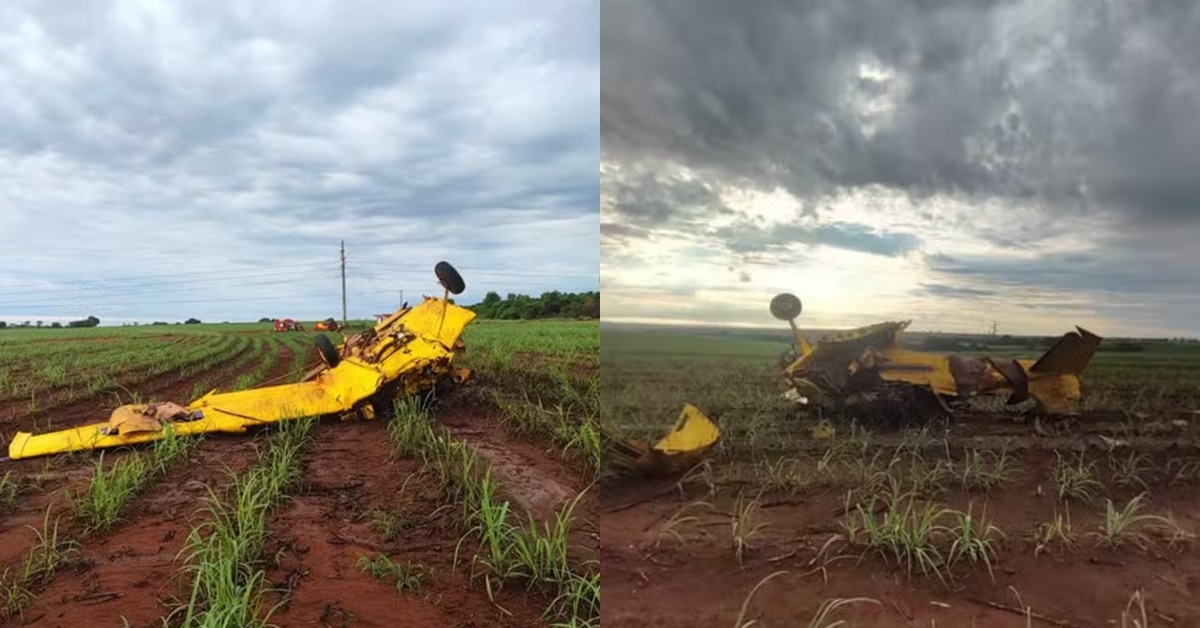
column 786, row 306
column 449, row 278
column 328, row 352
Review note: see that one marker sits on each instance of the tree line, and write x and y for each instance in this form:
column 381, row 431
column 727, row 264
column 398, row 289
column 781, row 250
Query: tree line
column 90, row 321
column 552, row 304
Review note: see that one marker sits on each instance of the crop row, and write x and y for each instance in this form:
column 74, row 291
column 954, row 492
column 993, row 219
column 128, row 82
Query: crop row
column 547, row 338
column 108, row 494
column 64, row 368
column 510, row 550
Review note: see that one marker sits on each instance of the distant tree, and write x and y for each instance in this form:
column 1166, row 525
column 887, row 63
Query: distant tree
column 265, row 320
column 591, row 307
column 192, row 321
column 3, row 324
column 25, row 324
column 159, row 323
column 553, row 304
column 39, row 323
column 56, row 325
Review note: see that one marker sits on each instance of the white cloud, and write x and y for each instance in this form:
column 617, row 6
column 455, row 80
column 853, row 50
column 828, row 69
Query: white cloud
column 142, row 138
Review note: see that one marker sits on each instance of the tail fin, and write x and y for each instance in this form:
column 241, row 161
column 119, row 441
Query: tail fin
column 1070, row 355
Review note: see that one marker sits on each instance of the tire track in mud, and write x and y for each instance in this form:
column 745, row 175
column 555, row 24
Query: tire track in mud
column 325, row 528
column 136, row 557
column 533, row 475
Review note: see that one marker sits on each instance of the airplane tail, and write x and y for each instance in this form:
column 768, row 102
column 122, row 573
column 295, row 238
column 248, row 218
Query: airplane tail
column 1070, row 355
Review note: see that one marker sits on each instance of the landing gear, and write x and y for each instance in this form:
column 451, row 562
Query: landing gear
column 329, row 353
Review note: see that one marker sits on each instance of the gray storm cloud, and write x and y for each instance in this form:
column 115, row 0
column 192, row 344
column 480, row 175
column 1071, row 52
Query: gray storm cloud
column 1070, row 102
column 206, row 137
column 1080, row 114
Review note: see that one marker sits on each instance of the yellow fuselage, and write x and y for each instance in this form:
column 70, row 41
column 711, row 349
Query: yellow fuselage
column 413, row 348
column 1055, row 392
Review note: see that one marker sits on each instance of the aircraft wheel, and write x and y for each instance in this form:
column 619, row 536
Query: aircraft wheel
column 786, row 306
column 329, row 353
column 449, row 277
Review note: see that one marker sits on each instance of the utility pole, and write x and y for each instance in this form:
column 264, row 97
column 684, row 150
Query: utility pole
column 343, row 256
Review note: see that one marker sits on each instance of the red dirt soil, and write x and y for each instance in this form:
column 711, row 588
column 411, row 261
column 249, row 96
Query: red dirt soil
column 133, row 555
column 701, row 583
column 322, row 531
column 58, row 476
column 136, row 559
column 325, row 529
column 533, row 475
column 128, row 572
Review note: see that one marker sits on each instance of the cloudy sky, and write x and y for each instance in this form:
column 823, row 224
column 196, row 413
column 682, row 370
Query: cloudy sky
column 1032, row 163
column 160, row 160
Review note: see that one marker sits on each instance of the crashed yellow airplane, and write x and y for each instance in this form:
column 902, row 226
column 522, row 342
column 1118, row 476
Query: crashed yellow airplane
column 408, row 352
column 869, row 369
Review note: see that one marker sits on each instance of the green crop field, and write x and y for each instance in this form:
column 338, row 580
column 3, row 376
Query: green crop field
column 949, row 513
column 45, row 367
column 526, row 421
column 648, row 374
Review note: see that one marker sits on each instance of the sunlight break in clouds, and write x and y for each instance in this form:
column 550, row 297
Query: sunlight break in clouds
column 1027, row 163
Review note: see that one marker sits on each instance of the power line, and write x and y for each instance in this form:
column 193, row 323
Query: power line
column 214, row 300
column 93, row 300
column 291, row 298
column 202, row 277
column 141, row 277
column 479, row 278
column 343, row 256
column 86, row 296
column 482, row 270
column 122, row 288
column 82, row 296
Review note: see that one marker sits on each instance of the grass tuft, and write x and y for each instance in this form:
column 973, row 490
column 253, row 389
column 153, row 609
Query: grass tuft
column 1125, row 525
column 407, row 576
column 224, row 555
column 1075, row 479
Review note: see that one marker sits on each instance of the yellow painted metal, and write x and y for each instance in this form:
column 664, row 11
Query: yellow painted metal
column 692, row 436
column 1053, row 379
column 693, row 432
column 413, row 348
column 823, row 431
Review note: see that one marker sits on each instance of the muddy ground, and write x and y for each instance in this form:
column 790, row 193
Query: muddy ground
column 318, row 535
column 657, row 578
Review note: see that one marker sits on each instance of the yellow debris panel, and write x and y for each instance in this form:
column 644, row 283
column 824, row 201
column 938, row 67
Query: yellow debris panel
column 693, row 432
column 683, row 447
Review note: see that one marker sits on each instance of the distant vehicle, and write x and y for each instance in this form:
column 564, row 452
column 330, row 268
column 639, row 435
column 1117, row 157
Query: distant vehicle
column 287, row 324
column 327, row 325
